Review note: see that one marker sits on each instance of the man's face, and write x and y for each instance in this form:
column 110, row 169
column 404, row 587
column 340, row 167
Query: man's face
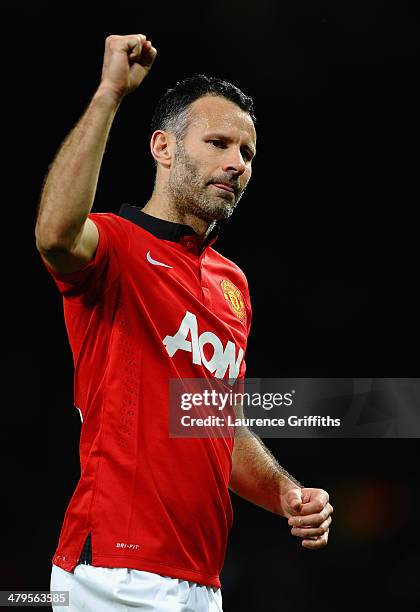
column 212, row 165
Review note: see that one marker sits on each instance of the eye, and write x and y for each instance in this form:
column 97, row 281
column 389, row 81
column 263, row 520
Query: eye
column 218, row 143
column 246, row 154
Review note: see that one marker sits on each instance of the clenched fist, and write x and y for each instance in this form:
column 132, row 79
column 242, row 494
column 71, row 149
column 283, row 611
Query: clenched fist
column 127, row 61
column 309, row 515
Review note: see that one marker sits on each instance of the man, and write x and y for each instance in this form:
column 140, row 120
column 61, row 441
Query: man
column 144, row 295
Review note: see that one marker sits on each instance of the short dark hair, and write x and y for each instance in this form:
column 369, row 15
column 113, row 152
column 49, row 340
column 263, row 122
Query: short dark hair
column 172, row 110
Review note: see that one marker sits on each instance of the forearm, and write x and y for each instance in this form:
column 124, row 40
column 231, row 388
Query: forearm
column 69, row 190
column 257, row 476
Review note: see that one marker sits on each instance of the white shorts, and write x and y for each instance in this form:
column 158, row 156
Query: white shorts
column 103, row 589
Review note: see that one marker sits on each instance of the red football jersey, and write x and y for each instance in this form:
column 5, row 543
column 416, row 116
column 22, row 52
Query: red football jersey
column 149, row 501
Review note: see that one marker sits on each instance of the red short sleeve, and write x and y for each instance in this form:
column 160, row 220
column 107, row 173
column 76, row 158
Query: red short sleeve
column 98, row 275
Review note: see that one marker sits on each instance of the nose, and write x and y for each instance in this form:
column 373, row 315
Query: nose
column 234, row 161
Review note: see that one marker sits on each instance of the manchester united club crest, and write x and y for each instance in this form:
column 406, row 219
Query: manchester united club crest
column 234, row 298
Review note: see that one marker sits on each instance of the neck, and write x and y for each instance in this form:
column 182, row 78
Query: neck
column 161, row 208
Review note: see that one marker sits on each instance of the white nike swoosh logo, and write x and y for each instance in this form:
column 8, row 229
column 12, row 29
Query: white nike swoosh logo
column 155, row 262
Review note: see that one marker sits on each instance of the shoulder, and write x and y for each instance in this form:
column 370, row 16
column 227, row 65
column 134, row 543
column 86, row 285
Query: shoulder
column 112, row 226
column 230, row 265
column 233, row 277
column 108, row 219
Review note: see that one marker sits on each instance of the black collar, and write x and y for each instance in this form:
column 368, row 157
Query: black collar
column 165, row 230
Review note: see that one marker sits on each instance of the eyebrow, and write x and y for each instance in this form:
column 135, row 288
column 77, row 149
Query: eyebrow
column 219, row 136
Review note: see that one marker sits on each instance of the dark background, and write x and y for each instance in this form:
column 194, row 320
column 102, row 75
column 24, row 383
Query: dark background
column 327, row 235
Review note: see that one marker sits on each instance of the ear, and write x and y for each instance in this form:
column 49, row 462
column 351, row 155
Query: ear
column 162, row 146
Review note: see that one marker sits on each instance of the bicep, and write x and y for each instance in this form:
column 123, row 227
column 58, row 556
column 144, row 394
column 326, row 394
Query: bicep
column 67, row 261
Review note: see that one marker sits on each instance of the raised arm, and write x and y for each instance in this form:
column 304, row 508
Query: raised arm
column 65, row 237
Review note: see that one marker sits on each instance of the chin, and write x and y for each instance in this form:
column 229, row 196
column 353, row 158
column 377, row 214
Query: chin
column 219, row 211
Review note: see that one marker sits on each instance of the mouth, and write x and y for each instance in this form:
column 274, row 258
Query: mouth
column 224, row 187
